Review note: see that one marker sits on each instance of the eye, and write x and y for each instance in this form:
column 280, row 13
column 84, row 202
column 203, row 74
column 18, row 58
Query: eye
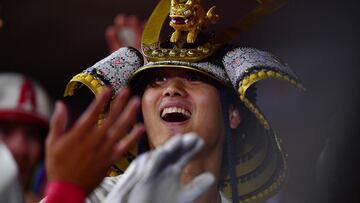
column 158, row 80
column 194, row 78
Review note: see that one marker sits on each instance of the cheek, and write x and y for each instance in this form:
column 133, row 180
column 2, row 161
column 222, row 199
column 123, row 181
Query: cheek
column 12, row 143
column 210, row 114
column 34, row 148
column 149, row 112
column 148, row 104
column 208, row 102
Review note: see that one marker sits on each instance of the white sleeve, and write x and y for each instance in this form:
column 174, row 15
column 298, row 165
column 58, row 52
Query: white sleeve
column 10, row 190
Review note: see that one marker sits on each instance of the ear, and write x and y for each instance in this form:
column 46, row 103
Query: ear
column 234, row 117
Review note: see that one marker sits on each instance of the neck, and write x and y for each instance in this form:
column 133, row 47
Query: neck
column 206, row 161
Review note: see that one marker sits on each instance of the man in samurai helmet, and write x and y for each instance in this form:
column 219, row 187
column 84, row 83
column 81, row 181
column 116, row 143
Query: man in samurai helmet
column 196, row 83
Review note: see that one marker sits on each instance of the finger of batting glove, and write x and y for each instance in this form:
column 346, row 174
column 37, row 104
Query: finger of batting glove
column 128, row 180
column 192, row 144
column 165, row 155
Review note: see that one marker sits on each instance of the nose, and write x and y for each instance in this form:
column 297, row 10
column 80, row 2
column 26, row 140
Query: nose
column 175, row 87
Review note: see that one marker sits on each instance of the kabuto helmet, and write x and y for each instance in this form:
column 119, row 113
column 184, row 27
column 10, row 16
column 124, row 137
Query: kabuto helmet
column 256, row 164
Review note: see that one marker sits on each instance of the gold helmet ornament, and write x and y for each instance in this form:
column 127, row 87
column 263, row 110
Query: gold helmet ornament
column 189, row 17
column 256, row 164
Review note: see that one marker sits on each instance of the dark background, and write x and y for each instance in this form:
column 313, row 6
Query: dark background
column 53, row 40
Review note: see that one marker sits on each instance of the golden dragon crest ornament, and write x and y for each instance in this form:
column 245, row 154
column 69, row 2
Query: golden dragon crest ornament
column 189, row 17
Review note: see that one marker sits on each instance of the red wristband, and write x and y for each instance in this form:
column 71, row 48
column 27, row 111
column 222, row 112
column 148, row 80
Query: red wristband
column 60, row 191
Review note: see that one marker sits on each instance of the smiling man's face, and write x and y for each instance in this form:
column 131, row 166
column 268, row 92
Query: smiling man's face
column 180, row 101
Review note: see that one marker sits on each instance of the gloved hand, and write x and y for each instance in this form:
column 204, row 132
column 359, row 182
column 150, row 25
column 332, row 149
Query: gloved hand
column 155, row 176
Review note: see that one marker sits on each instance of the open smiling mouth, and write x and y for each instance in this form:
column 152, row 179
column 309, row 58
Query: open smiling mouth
column 175, row 114
column 180, row 20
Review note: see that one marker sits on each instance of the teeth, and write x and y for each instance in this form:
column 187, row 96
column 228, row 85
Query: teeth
column 175, row 110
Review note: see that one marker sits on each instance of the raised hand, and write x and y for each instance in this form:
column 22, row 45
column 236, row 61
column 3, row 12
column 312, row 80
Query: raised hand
column 155, row 176
column 83, row 154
